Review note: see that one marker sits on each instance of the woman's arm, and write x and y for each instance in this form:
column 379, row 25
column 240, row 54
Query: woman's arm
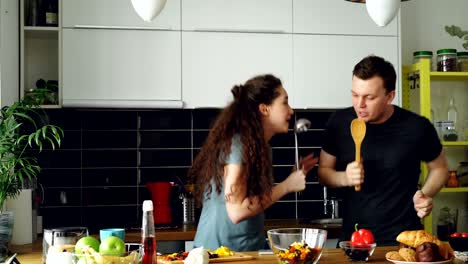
column 241, row 207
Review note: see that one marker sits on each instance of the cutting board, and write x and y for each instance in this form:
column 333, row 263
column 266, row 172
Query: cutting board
column 235, row 257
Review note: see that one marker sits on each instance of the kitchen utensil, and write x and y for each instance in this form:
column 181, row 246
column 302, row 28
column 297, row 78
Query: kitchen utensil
column 160, row 195
column 61, row 236
column 302, row 125
column 358, row 132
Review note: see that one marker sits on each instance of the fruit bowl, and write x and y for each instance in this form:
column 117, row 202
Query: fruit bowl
column 459, row 243
column 297, row 245
column 357, row 253
column 132, row 256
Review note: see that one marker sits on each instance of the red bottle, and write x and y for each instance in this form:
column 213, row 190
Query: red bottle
column 148, row 239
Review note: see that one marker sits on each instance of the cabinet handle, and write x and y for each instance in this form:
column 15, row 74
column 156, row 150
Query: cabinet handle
column 122, row 103
column 117, row 27
column 236, row 30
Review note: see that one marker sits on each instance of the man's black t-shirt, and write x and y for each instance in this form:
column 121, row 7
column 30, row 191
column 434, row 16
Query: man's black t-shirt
column 391, row 154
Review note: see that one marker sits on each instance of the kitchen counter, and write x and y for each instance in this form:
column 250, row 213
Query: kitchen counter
column 32, row 253
column 187, row 233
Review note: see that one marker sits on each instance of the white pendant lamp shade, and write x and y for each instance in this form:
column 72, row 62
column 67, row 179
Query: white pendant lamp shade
column 382, row 11
column 148, row 9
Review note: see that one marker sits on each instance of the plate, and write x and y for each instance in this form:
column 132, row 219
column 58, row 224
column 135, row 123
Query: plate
column 410, row 262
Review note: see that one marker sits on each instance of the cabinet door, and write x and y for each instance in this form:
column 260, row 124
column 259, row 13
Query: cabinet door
column 116, row 13
column 239, row 15
column 120, row 66
column 337, row 17
column 323, row 67
column 214, row 62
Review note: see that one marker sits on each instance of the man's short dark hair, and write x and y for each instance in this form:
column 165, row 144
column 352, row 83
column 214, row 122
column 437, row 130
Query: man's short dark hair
column 372, row 66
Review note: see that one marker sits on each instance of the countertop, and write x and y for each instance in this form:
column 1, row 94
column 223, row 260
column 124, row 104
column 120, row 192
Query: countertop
column 31, row 254
column 188, row 232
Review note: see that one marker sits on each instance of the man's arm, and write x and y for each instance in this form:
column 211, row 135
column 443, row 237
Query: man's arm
column 328, row 175
column 437, row 177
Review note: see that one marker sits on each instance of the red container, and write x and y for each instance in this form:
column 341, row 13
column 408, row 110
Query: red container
column 160, row 194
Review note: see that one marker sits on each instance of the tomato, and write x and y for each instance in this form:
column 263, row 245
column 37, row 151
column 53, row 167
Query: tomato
column 456, row 234
column 361, row 237
column 464, row 234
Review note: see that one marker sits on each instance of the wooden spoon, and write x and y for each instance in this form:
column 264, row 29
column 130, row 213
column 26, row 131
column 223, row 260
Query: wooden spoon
column 358, row 132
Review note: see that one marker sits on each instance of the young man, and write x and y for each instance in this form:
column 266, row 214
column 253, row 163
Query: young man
column 396, row 142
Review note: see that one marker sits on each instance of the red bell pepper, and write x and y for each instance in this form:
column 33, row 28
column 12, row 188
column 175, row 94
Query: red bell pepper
column 361, row 237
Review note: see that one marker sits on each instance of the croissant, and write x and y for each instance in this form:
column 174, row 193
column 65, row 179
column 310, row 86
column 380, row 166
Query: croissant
column 415, row 238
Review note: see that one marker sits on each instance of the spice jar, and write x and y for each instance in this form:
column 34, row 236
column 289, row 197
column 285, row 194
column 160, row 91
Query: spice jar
column 450, row 134
column 447, row 60
column 452, row 180
column 418, row 55
column 462, row 58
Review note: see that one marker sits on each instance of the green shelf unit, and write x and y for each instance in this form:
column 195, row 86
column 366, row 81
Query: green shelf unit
column 421, row 71
column 455, row 190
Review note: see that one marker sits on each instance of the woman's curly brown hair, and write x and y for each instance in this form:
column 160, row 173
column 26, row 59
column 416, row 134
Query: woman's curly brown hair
column 242, row 117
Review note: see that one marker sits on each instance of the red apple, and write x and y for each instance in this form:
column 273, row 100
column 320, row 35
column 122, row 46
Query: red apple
column 112, row 246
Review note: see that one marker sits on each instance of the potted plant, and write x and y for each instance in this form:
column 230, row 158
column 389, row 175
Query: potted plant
column 21, row 127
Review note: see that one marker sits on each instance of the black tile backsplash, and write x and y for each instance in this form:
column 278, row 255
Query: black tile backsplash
column 97, row 178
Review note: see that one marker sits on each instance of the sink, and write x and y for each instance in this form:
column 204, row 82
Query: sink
column 327, row 221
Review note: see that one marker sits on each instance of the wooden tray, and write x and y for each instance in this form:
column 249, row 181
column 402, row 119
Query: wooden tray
column 235, row 257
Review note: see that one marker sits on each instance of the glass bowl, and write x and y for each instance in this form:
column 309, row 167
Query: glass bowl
column 459, row 243
column 297, row 245
column 357, row 253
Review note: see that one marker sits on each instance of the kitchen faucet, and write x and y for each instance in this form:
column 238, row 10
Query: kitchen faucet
column 333, row 203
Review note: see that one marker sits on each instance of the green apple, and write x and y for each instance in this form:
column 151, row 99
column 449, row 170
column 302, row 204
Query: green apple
column 112, row 246
column 84, row 242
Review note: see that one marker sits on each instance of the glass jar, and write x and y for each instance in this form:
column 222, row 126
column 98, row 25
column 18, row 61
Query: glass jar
column 462, row 58
column 446, row 223
column 462, row 174
column 447, row 60
column 443, row 128
column 423, row 54
column 450, row 134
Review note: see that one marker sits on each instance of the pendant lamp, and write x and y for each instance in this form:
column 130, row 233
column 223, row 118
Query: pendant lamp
column 148, row 9
column 382, row 12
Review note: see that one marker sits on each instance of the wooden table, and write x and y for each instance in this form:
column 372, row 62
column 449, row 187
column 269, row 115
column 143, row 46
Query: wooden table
column 32, row 254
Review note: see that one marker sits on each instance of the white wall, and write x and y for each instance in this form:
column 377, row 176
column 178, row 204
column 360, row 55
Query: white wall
column 423, row 22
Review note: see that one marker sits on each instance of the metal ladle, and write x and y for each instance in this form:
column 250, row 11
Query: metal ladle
column 302, row 125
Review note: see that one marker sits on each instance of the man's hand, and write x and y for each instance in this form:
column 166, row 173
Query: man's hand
column 422, row 204
column 354, row 174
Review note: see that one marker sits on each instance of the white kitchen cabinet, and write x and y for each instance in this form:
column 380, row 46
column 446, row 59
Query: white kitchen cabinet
column 40, row 53
column 117, row 14
column 212, row 63
column 337, row 17
column 133, row 68
column 9, row 59
column 323, row 67
column 237, row 16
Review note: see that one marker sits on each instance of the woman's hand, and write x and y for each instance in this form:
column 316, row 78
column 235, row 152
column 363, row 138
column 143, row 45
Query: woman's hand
column 295, row 182
column 308, row 163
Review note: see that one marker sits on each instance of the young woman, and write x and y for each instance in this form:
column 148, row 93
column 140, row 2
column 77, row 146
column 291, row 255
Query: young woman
column 233, row 171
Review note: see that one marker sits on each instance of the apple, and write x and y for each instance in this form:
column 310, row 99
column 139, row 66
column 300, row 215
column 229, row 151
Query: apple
column 84, row 242
column 112, row 246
